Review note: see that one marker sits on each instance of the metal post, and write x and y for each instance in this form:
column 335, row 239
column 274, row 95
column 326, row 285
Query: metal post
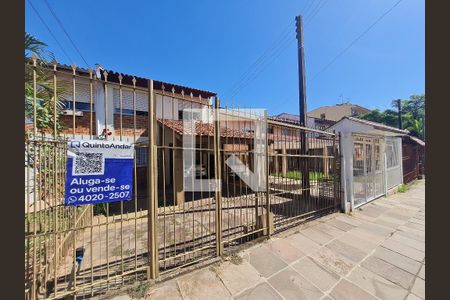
column 74, row 68
column 399, row 105
column 267, row 179
column 54, row 100
column 218, row 175
column 302, row 103
column 335, row 171
column 34, row 97
column 152, row 186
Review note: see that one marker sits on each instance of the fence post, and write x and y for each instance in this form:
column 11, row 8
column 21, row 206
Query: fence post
column 152, row 187
column 335, row 172
column 218, row 176
column 267, row 178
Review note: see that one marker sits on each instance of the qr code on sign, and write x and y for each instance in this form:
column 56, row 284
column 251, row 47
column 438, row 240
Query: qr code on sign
column 88, row 164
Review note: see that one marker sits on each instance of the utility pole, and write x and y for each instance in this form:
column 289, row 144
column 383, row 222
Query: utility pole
column 399, row 105
column 304, row 168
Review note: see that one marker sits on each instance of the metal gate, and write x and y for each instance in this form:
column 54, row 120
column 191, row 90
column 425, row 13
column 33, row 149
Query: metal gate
column 368, row 169
column 83, row 251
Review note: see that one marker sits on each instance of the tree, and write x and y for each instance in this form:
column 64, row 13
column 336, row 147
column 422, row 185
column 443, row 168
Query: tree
column 45, row 102
column 413, row 115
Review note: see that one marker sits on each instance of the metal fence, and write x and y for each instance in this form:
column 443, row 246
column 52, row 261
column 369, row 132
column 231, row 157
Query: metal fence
column 83, row 251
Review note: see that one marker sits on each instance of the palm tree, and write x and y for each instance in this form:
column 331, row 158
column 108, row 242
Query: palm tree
column 44, row 86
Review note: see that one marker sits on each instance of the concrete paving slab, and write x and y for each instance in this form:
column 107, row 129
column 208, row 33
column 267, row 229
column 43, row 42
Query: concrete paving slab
column 412, row 297
column 404, row 250
column 328, row 229
column 345, row 290
column 285, row 250
column 375, row 229
column 315, row 273
column 388, row 271
column 416, row 235
column 262, row 291
column 292, row 285
column 203, row 284
column 415, row 226
column 333, row 261
column 166, row 291
column 422, row 272
column 376, row 285
column 317, row 236
column 265, row 261
column 349, row 219
column 409, row 242
column 340, row 224
column 418, row 288
column 398, row 260
column 237, row 277
column 303, row 243
column 346, row 250
column 356, row 241
column 364, row 234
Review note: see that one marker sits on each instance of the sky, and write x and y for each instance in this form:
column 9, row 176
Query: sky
column 245, row 50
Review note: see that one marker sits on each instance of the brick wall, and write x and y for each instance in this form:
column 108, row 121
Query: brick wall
column 128, row 125
column 81, row 123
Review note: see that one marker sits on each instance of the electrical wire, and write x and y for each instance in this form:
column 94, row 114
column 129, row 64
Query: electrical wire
column 65, row 31
column 49, row 30
column 356, row 40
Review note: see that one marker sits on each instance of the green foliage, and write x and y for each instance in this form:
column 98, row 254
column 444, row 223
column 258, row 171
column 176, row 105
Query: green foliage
column 413, row 115
column 45, row 101
column 297, row 175
column 402, row 188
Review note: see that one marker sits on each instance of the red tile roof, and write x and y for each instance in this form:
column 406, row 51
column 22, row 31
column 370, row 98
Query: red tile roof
column 206, row 129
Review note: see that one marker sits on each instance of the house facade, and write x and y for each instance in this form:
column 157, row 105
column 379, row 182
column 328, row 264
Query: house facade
column 338, row 111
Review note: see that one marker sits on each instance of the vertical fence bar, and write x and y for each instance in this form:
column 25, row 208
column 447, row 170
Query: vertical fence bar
column 267, row 177
column 55, row 96
column 91, row 104
column 34, row 96
column 218, row 194
column 153, row 187
column 105, row 74
column 74, row 68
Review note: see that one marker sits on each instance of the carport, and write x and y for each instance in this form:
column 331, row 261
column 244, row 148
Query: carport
column 371, row 160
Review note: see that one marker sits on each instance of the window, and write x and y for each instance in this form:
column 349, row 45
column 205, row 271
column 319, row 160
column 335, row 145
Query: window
column 190, row 114
column 322, row 116
column 285, row 131
column 79, row 106
column 141, row 156
column 129, row 112
column 391, row 154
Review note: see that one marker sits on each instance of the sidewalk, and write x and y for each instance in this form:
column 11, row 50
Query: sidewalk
column 376, row 253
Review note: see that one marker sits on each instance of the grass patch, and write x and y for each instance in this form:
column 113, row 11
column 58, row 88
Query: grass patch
column 296, row 175
column 402, row 188
column 139, row 290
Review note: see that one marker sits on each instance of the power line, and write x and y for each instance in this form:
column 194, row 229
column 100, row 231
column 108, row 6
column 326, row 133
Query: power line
column 49, row 30
column 262, row 57
column 356, row 39
column 263, row 64
column 65, row 31
column 313, row 14
column 266, row 59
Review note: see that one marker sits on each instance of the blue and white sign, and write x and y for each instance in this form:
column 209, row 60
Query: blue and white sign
column 98, row 171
